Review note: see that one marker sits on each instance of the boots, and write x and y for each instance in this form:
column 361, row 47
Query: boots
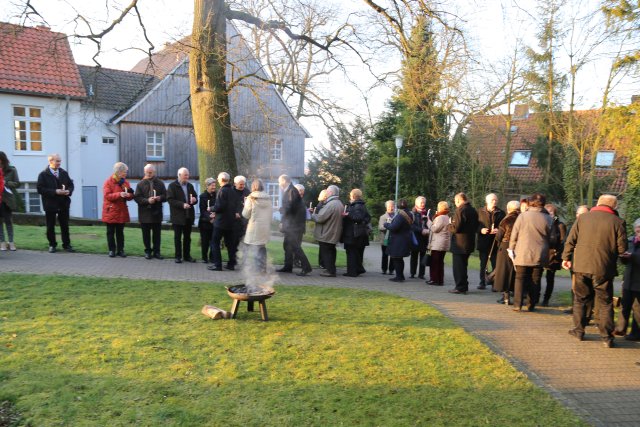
column 3, row 246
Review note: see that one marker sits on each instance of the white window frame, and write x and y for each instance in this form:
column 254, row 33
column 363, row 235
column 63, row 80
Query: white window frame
column 28, row 120
column 29, row 193
column 109, row 140
column 275, row 150
column 155, row 141
column 273, row 190
column 518, row 158
column 605, row 159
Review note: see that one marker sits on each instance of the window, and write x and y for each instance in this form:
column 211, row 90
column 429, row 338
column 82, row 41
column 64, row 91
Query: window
column 155, row 145
column 108, row 140
column 604, row 159
column 514, row 129
column 273, row 189
column 83, row 139
column 27, row 125
column 520, row 158
column 276, row 149
column 30, row 197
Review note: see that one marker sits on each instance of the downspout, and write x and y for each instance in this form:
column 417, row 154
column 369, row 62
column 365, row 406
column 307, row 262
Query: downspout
column 66, row 131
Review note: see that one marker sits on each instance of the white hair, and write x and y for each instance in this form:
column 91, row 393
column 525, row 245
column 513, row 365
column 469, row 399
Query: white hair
column 239, row 178
column 419, row 198
column 182, row 170
column 284, row 178
column 513, row 205
column 636, row 223
column 149, row 166
column 333, row 190
column 300, row 187
column 388, row 202
column 119, row 167
column 224, row 177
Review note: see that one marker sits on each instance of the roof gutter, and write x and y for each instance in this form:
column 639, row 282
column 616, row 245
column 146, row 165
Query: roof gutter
column 66, row 130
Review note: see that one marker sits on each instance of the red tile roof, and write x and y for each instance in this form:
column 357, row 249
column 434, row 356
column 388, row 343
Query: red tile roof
column 37, row 61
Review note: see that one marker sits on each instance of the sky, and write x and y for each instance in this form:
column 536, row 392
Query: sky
column 492, row 26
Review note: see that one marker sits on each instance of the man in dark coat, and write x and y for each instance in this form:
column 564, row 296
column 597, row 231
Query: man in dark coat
column 56, row 188
column 596, row 240
column 240, row 226
column 293, row 217
column 150, row 194
column 463, row 235
column 489, row 218
column 182, row 197
column 226, row 216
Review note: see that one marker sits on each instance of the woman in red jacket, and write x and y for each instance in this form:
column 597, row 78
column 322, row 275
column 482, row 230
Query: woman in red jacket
column 117, row 191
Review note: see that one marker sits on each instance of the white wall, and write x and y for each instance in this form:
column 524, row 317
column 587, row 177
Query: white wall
column 55, row 134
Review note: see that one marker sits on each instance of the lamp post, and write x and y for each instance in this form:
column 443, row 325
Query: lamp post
column 399, row 141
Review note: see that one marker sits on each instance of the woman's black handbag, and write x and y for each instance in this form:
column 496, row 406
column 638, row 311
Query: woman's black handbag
column 426, row 259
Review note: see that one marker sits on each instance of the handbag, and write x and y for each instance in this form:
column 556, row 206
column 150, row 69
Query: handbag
column 426, row 259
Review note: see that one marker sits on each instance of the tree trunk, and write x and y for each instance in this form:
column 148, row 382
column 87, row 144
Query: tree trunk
column 209, row 96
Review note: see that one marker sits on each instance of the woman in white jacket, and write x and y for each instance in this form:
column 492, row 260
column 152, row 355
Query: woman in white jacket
column 258, row 210
column 439, row 242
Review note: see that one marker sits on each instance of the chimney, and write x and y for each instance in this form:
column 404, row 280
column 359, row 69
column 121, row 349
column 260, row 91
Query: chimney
column 521, row 111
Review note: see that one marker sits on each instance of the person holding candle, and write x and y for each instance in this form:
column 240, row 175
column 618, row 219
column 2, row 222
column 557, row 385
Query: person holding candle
column 116, row 192
column 329, row 229
column 293, row 217
column 225, row 209
column 56, row 187
column 258, row 211
column 182, row 197
column 355, row 233
column 205, row 224
column 150, row 194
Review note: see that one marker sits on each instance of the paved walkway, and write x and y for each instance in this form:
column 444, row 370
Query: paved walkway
column 604, row 392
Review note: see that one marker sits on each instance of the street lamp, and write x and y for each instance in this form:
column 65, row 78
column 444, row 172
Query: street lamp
column 399, row 141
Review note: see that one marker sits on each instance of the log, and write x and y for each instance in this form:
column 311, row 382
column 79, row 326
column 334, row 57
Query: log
column 214, row 312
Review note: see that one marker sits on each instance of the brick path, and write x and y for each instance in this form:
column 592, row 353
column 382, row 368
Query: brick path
column 605, row 392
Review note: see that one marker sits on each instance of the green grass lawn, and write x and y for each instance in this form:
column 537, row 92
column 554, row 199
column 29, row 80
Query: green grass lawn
column 93, row 240
column 87, row 351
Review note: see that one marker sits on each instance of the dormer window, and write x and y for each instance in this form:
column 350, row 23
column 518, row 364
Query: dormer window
column 604, row 159
column 520, row 158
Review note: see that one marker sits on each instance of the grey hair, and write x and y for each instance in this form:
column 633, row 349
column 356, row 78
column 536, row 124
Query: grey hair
column 119, row 167
column 420, row 198
column 334, row 190
column 300, row 187
column 182, row 170
column 149, row 166
column 224, row 177
column 285, row 178
column 636, row 223
column 257, row 185
column 386, row 204
column 51, row 156
column 513, row 205
column 209, row 181
column 239, row 178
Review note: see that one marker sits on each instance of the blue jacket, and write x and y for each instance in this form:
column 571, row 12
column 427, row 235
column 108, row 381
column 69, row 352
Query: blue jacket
column 399, row 235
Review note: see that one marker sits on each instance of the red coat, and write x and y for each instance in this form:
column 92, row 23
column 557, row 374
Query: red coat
column 114, row 207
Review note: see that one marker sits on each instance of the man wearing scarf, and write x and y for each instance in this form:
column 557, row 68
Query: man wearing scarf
column 596, row 240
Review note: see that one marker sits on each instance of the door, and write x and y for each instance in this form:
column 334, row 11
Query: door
column 90, row 202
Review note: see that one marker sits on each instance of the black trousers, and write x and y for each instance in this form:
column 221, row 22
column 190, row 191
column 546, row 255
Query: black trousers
column 149, row 229
column 460, row 274
column 398, row 265
column 630, row 302
column 182, row 240
column 355, row 255
column 416, row 257
column 550, row 275
column 484, row 260
column 527, row 282
column 292, row 245
column 230, row 242
column 586, row 289
column 206, row 231
column 63, row 220
column 328, row 256
column 385, row 264
column 115, row 237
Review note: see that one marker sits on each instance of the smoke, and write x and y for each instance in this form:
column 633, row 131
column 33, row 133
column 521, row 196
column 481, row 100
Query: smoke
column 257, row 272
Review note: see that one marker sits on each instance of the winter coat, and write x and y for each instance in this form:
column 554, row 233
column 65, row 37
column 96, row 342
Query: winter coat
column 47, row 186
column 596, row 240
column 555, row 250
column 293, row 213
column 400, row 234
column 488, row 219
column 149, row 213
column 114, row 206
column 355, row 225
column 420, row 220
column 463, row 229
column 631, row 276
column 439, row 235
column 11, row 183
column 225, row 208
column 505, row 276
column 258, row 210
column 178, row 215
column 384, row 218
column 329, row 221
column 206, row 201
column 531, row 237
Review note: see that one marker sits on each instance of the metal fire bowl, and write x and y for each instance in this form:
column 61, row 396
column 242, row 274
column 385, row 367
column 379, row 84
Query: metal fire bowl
column 239, row 292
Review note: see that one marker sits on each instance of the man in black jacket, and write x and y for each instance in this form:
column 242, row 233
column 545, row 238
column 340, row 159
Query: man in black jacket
column 293, row 217
column 595, row 241
column 463, row 235
column 489, row 218
column 226, row 216
column 150, row 194
column 182, row 197
column 56, row 188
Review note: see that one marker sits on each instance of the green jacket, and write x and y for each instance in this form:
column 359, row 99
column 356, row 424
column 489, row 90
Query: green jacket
column 11, row 183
